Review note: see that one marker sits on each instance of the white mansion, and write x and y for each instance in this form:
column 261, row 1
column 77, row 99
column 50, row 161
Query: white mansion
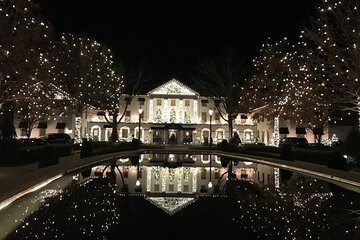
column 171, row 113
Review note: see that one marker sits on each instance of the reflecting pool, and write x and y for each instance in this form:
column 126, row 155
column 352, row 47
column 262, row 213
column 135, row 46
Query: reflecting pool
column 184, row 197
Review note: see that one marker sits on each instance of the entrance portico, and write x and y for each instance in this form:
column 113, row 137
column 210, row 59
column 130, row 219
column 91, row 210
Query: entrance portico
column 172, row 133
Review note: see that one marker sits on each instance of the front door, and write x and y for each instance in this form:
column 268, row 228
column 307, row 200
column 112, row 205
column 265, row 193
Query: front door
column 172, row 136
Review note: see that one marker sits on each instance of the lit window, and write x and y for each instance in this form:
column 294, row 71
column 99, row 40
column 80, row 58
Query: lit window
column 203, row 116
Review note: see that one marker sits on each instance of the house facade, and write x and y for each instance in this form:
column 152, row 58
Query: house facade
column 171, row 113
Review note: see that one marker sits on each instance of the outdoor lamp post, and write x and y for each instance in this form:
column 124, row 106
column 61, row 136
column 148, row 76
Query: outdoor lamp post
column 210, row 185
column 140, row 112
column 210, row 113
column 137, row 176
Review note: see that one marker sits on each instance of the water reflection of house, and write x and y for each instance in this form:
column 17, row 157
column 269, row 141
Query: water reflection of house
column 188, row 178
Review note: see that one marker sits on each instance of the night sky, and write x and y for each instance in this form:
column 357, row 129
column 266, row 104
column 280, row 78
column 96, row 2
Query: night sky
column 171, row 36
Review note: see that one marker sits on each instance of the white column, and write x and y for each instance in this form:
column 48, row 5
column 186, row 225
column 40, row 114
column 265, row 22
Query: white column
column 148, row 178
column 276, row 133
column 194, row 179
column 151, row 111
column 164, row 173
column 77, row 133
column 195, row 112
column 180, row 113
column 179, row 179
column 165, row 114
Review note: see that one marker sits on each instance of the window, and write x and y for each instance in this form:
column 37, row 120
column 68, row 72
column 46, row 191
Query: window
column 42, row 128
column 124, row 133
column 173, row 102
column 141, row 101
column 127, row 116
column 243, row 116
column 217, row 116
column 248, row 135
column 158, row 102
column 96, row 132
column 203, row 173
column 42, row 131
column 300, row 130
column 283, row 130
column 203, row 116
column 204, row 103
column 187, row 103
column 219, row 135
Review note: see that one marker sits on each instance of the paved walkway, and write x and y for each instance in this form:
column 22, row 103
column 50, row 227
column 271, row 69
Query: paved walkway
column 19, row 178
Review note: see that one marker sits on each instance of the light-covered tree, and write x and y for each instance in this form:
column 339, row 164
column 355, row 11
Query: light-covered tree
column 131, row 85
column 221, row 80
column 289, row 87
column 25, row 43
column 334, row 41
column 87, row 72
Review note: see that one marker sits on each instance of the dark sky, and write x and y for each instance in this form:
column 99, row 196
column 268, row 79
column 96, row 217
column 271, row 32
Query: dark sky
column 172, row 35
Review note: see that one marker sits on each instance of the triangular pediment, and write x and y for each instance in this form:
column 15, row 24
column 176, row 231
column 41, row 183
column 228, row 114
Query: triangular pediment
column 173, row 87
column 171, row 205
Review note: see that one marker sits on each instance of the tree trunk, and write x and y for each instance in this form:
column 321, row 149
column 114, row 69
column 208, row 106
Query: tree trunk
column 230, row 123
column 318, row 138
column 114, row 134
column 7, row 128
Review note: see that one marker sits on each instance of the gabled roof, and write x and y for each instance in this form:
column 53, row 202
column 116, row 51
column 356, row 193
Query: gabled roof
column 173, row 87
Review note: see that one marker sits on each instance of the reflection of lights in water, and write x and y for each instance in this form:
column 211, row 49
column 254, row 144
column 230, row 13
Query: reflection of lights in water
column 137, row 182
column 48, row 193
column 205, row 160
column 217, row 160
column 171, row 205
column 300, row 201
column 172, row 158
column 124, row 160
column 275, row 215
